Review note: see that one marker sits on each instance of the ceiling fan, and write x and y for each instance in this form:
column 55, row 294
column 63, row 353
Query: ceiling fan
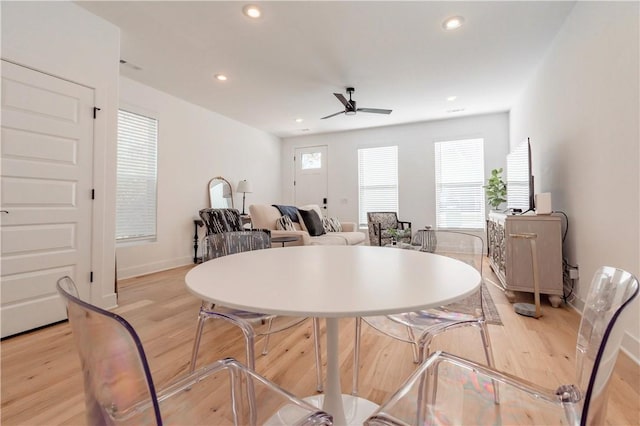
column 350, row 106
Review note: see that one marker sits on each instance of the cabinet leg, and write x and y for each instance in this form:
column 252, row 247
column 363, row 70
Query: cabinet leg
column 555, row 300
column 511, row 296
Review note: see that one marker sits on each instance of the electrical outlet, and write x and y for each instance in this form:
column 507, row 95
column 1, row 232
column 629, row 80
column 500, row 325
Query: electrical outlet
column 573, row 273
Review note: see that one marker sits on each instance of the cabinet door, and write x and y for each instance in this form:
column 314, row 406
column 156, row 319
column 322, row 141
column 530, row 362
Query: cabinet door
column 519, row 269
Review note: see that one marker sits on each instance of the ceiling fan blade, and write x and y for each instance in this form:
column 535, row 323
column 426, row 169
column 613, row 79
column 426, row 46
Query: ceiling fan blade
column 332, row 115
column 375, row 110
column 342, row 99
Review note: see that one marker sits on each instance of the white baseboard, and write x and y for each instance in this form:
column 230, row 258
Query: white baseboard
column 110, row 301
column 149, row 268
column 631, row 347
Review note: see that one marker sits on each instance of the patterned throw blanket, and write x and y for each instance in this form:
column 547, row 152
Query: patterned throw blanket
column 291, row 211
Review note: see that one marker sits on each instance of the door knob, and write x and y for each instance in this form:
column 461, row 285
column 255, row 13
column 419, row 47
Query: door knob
column 4, row 211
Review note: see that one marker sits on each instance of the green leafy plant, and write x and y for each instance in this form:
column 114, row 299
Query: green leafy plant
column 398, row 233
column 496, row 189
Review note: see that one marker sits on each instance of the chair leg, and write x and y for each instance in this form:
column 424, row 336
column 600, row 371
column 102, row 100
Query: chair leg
column 414, row 345
column 424, row 347
column 196, row 342
column 249, row 335
column 488, row 352
column 356, row 357
column 265, row 348
column 316, row 342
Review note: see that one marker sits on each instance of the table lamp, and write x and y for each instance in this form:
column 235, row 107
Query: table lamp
column 243, row 186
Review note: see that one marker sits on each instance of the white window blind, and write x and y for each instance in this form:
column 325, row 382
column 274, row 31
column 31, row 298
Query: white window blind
column 136, row 177
column 460, row 197
column 377, row 181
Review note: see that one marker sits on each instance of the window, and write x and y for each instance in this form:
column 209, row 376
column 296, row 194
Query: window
column 377, row 181
column 311, row 160
column 459, row 179
column 136, row 177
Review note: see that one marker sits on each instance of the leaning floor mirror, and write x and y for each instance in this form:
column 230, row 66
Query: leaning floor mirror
column 220, row 193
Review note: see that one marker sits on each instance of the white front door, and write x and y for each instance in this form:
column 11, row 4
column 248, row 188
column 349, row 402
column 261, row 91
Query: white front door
column 47, row 168
column 310, row 184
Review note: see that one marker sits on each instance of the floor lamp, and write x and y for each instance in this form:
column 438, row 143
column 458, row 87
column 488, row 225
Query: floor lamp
column 528, row 309
column 243, row 186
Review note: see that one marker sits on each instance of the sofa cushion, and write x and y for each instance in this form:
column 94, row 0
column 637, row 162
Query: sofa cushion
column 339, row 239
column 264, row 216
column 312, row 222
column 352, row 238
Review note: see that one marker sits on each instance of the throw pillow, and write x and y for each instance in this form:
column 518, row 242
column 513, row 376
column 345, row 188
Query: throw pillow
column 285, row 223
column 312, row 222
column 331, row 224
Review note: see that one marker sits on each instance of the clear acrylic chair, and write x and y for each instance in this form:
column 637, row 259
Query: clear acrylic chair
column 252, row 324
column 447, row 389
column 420, row 327
column 119, row 388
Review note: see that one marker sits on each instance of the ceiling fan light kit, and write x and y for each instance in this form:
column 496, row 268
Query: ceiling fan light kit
column 350, row 106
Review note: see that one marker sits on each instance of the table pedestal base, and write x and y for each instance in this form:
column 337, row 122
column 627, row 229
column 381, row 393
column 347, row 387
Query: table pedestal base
column 356, row 409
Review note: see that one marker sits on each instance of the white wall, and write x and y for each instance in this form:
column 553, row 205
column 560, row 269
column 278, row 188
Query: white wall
column 64, row 40
column 194, row 146
column 415, row 161
column 581, row 111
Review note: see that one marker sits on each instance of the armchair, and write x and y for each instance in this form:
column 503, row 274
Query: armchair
column 120, row 390
column 379, row 224
column 452, row 390
column 221, row 220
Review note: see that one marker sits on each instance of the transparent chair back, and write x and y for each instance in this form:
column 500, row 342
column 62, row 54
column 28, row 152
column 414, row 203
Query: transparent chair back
column 447, row 389
column 119, row 389
column 420, row 327
column 252, row 324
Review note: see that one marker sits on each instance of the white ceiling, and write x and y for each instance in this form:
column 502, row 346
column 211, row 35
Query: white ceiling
column 288, row 63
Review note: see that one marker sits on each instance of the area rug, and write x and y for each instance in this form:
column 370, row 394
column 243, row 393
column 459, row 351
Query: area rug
column 490, row 312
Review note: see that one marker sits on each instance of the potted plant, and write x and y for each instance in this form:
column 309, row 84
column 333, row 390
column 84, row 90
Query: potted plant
column 496, row 189
column 396, row 234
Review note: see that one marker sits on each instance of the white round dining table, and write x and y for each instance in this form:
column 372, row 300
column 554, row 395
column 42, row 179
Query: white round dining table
column 333, row 282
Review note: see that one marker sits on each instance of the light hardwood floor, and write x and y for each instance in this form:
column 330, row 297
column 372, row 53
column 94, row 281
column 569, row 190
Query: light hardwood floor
column 42, row 384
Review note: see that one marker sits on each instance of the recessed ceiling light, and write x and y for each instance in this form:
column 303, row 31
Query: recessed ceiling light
column 452, row 98
column 220, row 77
column 252, row 11
column 453, row 23
column 299, row 120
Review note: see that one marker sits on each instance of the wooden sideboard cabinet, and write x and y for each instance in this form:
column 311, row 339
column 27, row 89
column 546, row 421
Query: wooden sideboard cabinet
column 511, row 260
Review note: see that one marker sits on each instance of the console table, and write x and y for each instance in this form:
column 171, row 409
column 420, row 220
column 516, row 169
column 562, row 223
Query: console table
column 511, row 259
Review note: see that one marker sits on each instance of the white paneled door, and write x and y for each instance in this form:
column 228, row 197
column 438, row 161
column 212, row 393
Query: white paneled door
column 310, row 185
column 46, row 198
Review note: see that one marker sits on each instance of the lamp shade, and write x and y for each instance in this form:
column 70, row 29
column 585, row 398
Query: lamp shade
column 244, row 186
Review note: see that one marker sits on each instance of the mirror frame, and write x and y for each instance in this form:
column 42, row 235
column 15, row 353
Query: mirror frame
column 220, row 178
